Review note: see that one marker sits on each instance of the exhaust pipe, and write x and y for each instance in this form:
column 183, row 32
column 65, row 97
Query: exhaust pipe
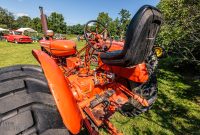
column 43, row 21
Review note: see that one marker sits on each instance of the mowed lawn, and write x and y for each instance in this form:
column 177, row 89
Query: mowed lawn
column 12, row 54
column 177, row 110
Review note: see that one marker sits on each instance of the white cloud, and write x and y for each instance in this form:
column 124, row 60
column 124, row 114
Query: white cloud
column 21, row 14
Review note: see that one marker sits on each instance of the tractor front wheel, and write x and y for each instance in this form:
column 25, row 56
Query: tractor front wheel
column 26, row 104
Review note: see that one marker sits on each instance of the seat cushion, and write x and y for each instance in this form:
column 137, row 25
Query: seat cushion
column 115, row 58
column 111, row 55
column 116, row 62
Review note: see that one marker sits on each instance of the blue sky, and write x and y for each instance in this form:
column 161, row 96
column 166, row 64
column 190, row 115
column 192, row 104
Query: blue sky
column 74, row 11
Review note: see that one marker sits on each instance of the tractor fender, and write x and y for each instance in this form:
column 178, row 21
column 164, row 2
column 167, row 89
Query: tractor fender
column 61, row 92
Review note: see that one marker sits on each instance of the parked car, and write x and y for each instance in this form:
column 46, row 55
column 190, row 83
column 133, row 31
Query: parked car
column 31, row 33
column 18, row 37
column 4, row 37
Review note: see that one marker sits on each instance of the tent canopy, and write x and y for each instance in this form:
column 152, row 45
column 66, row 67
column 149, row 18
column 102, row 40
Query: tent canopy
column 26, row 29
column 1, row 29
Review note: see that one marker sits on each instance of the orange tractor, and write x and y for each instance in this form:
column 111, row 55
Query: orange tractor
column 67, row 95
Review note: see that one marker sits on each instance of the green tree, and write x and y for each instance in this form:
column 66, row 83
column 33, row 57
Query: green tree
column 124, row 21
column 56, row 23
column 6, row 18
column 114, row 27
column 75, row 29
column 105, row 19
column 23, row 21
column 181, row 29
column 36, row 24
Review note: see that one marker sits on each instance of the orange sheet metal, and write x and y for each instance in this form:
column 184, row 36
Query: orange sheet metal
column 138, row 73
column 61, row 92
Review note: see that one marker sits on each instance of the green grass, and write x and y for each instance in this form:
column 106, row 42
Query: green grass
column 177, row 110
column 12, row 54
column 71, row 36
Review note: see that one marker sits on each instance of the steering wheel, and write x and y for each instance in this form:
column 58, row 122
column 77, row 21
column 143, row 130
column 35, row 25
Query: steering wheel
column 97, row 40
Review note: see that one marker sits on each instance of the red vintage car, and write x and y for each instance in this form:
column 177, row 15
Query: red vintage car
column 17, row 37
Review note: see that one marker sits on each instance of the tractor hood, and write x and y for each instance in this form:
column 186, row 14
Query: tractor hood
column 63, row 44
column 59, row 47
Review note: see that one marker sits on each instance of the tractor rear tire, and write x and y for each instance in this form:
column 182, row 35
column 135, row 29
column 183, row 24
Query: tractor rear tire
column 26, row 104
column 147, row 90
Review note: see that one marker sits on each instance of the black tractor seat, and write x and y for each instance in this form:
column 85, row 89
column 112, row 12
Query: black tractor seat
column 140, row 38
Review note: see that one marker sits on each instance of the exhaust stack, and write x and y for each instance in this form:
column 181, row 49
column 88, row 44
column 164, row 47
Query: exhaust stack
column 43, row 21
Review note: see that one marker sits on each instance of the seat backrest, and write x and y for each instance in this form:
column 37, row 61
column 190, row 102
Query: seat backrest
column 141, row 34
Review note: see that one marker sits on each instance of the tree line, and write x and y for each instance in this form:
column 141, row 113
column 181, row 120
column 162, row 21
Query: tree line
column 57, row 23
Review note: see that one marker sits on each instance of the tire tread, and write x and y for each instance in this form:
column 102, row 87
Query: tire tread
column 26, row 104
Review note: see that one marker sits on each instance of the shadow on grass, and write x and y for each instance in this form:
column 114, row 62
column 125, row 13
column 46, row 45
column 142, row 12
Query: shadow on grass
column 173, row 107
column 193, row 92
